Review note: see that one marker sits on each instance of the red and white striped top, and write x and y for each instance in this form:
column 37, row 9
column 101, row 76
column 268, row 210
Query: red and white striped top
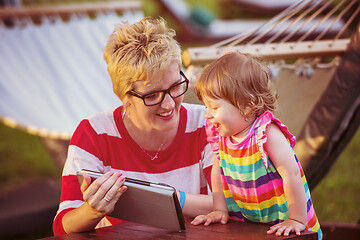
column 102, row 143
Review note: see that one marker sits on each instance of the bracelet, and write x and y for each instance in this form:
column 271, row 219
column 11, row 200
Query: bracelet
column 182, row 199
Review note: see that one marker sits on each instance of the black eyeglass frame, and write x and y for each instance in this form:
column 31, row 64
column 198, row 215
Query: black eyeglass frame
column 135, row 94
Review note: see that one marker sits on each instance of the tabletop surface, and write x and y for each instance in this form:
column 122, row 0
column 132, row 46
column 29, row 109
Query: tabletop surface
column 232, row 230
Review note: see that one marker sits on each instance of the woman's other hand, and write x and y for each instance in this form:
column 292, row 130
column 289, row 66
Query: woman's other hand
column 102, row 194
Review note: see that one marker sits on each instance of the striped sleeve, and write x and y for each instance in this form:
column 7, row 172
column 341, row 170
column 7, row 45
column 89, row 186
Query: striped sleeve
column 81, row 152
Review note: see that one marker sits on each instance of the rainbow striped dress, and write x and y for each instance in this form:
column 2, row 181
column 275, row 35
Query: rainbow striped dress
column 252, row 186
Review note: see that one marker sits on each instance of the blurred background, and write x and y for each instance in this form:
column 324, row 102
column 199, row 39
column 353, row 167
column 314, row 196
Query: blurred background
column 28, row 158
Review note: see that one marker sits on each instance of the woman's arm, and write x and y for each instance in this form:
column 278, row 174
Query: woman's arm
column 88, row 215
column 219, row 209
column 197, row 204
column 282, row 156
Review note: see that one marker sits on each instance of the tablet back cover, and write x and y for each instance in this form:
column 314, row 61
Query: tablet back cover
column 150, row 205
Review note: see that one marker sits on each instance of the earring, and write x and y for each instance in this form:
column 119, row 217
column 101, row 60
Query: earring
column 124, row 112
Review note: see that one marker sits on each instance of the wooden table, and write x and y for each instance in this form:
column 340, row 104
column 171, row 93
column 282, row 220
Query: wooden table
column 232, row 230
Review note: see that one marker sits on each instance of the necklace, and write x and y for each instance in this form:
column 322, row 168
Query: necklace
column 157, row 152
column 156, row 155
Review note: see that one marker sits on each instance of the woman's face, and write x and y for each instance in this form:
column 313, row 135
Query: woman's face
column 163, row 116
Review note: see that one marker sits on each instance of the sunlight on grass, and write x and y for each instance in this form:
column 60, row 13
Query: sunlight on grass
column 337, row 196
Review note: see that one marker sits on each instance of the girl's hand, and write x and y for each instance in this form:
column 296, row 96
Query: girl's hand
column 213, row 217
column 287, row 227
column 102, row 194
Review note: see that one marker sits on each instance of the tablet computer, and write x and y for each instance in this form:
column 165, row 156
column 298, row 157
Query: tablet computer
column 147, row 203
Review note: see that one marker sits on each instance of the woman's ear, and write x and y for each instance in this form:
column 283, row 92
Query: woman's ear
column 126, row 105
column 125, row 101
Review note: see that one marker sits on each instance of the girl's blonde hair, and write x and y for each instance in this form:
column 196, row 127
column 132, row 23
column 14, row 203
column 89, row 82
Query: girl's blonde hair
column 241, row 80
column 136, row 52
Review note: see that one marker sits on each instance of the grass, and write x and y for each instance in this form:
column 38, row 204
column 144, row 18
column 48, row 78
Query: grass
column 337, row 196
column 22, row 156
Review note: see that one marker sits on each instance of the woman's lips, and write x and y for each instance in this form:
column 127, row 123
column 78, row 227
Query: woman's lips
column 168, row 114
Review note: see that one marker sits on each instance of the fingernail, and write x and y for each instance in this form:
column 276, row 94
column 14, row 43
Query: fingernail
column 123, row 189
column 120, row 179
column 118, row 174
column 110, row 173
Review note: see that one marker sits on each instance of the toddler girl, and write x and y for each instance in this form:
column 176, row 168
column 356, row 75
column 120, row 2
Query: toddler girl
column 256, row 175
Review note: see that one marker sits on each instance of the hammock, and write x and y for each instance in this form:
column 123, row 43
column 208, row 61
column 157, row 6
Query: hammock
column 259, row 7
column 319, row 99
column 53, row 74
column 197, row 25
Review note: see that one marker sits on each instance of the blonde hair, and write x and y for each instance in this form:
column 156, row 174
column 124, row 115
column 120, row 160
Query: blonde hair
column 137, row 52
column 241, row 80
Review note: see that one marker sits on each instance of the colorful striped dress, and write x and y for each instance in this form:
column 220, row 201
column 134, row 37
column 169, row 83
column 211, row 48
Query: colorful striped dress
column 252, row 186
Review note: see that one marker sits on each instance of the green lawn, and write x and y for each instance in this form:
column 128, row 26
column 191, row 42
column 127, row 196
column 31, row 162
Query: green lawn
column 22, row 156
column 337, row 196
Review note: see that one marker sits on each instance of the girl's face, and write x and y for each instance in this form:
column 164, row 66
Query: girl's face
column 163, row 116
column 226, row 118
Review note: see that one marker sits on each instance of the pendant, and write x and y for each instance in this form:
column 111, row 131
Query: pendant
column 155, row 157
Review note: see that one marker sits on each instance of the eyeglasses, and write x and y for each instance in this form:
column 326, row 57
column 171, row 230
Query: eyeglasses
column 157, row 97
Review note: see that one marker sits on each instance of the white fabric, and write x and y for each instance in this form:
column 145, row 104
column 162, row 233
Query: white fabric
column 53, row 75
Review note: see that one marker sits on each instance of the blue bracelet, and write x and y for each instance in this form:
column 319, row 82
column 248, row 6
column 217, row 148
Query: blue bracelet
column 182, row 199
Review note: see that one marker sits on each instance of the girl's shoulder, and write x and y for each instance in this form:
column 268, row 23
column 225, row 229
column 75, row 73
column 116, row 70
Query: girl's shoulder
column 266, row 121
column 266, row 124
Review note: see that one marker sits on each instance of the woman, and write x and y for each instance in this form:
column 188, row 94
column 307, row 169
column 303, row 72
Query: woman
column 152, row 136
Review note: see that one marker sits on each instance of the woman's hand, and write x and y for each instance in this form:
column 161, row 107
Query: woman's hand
column 102, row 194
column 96, row 195
column 213, row 217
column 287, row 227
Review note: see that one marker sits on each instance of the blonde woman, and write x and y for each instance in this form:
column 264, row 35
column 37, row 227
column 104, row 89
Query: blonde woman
column 152, row 136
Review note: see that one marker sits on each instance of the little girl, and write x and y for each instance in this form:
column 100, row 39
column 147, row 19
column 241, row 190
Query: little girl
column 256, row 175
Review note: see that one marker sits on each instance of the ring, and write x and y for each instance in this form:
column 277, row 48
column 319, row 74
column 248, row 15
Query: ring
column 106, row 199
